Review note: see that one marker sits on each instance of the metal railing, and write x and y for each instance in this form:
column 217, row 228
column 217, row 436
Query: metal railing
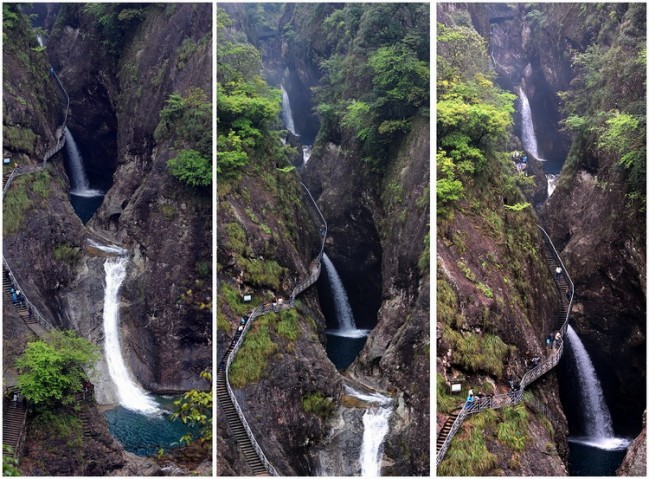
column 36, row 314
column 265, row 309
column 529, row 377
column 60, row 139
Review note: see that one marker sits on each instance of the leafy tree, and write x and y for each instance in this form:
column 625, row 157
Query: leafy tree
column 9, row 462
column 115, row 20
column 192, row 168
column 247, row 108
column 52, row 369
column 195, row 409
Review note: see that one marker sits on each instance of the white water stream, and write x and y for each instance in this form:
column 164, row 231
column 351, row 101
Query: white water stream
column 112, row 249
column 529, row 137
column 598, row 424
column 80, row 186
column 344, row 315
column 306, row 153
column 39, row 39
column 130, row 394
column 552, row 183
column 287, row 115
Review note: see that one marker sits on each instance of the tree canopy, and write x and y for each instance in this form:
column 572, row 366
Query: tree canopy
column 376, row 78
column 54, row 368
column 473, row 115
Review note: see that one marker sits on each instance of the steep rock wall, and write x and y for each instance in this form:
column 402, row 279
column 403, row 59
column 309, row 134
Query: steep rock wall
column 163, row 287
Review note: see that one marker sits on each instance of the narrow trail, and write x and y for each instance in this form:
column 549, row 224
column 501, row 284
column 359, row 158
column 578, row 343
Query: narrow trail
column 14, row 417
column 232, row 412
column 562, row 281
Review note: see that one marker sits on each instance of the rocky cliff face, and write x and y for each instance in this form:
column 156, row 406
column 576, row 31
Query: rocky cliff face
column 168, row 294
column 112, row 109
column 635, row 461
column 601, row 231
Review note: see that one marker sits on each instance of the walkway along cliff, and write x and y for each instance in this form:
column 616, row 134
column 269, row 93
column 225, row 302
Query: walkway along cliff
column 15, row 415
column 234, row 415
column 495, row 402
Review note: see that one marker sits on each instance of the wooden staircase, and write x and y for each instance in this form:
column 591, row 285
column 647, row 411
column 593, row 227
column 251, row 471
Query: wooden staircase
column 13, row 424
column 446, row 428
column 236, row 426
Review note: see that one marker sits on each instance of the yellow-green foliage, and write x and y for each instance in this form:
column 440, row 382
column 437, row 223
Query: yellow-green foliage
column 237, row 240
column 19, row 139
column 477, row 353
column 445, row 401
column 19, row 198
column 288, row 325
column 222, row 323
column 66, row 253
column 251, row 359
column 513, row 429
column 262, row 273
column 447, row 309
column 468, row 454
column 229, row 296
column 318, row 404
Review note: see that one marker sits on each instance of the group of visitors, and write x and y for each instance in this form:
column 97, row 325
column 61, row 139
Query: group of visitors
column 520, row 160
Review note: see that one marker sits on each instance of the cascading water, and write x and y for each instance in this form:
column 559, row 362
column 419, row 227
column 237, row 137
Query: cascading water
column 80, row 184
column 344, row 342
column 552, row 183
column 344, row 314
column 287, row 115
column 529, row 137
column 306, row 154
column 39, row 39
column 131, row 395
column 375, row 427
column 598, row 424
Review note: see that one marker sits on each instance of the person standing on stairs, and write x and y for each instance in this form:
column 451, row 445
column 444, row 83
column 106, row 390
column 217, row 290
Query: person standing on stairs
column 558, row 272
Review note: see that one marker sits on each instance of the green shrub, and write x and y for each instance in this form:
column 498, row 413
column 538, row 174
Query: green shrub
column 236, row 239
column 191, row 168
column 52, row 369
column 186, row 50
column 251, row 359
column 513, row 429
column 19, row 139
column 41, row 183
column 262, row 273
column 288, row 325
column 468, row 454
column 66, row 253
column 232, row 298
column 486, row 290
column 477, row 353
column 15, row 206
column 318, row 404
column 446, row 402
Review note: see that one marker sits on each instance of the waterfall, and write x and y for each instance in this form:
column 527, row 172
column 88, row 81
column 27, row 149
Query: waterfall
column 552, row 183
column 80, row 186
column 344, row 314
column 39, row 39
column 130, row 394
column 529, row 137
column 287, row 115
column 375, row 427
column 112, row 249
column 599, row 428
column 306, row 153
